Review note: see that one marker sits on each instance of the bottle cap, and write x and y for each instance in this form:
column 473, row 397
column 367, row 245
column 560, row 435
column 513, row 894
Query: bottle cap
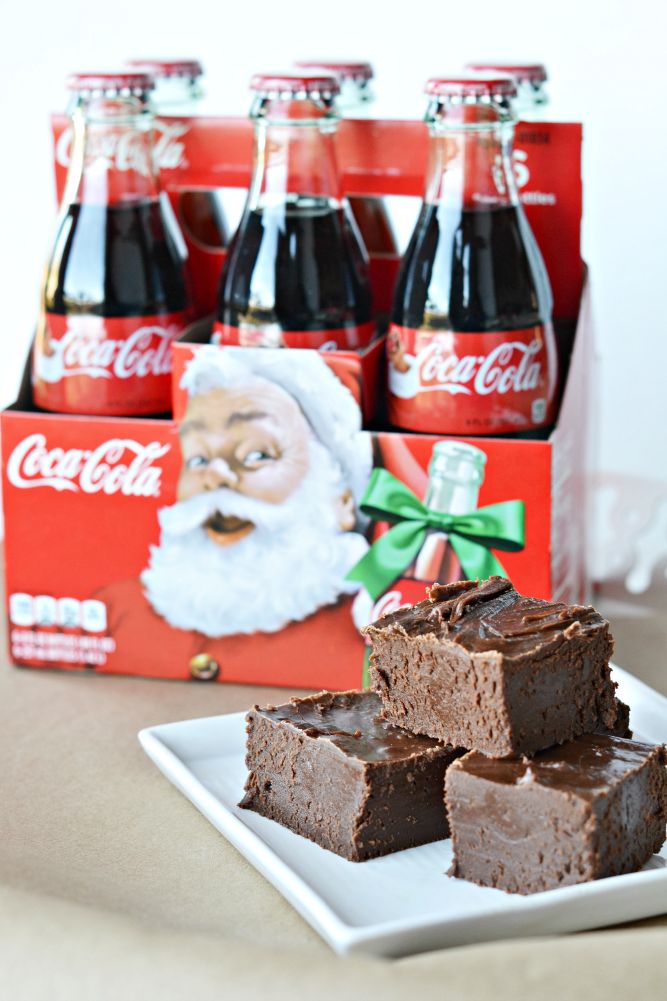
column 522, row 72
column 296, row 84
column 191, row 68
column 343, row 70
column 130, row 82
column 472, row 85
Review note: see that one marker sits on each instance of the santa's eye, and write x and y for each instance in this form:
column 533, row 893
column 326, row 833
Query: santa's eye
column 255, row 457
column 196, row 462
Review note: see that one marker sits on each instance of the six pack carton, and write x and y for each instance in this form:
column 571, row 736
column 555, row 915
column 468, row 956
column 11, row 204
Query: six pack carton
column 251, row 536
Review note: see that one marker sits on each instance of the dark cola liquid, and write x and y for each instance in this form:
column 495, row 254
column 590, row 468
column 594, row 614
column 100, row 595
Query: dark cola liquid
column 372, row 218
column 296, row 264
column 116, row 260
column 202, row 218
column 473, row 270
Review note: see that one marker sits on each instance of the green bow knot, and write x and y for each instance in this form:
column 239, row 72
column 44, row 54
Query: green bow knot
column 473, row 535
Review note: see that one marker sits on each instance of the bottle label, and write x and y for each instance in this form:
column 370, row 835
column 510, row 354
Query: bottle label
column 118, row 366
column 445, row 382
column 271, row 335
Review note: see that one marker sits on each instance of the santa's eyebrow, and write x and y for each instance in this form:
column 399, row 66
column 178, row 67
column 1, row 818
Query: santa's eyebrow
column 248, row 415
column 191, row 425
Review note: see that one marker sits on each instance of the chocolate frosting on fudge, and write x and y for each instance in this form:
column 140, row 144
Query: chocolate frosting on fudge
column 490, row 615
column 352, row 722
column 585, row 767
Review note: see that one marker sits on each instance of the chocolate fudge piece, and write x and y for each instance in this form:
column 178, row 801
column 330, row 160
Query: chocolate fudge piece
column 330, row 768
column 592, row 808
column 479, row 666
column 621, row 725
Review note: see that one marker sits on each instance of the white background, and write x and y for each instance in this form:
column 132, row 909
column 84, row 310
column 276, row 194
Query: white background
column 606, row 61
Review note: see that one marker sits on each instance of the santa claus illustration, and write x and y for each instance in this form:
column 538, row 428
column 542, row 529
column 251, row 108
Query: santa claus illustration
column 248, row 579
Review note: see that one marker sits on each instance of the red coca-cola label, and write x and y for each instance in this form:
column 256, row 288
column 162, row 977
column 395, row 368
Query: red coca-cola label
column 273, row 336
column 108, row 366
column 471, row 383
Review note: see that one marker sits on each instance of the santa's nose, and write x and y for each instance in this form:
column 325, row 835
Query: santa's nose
column 219, row 474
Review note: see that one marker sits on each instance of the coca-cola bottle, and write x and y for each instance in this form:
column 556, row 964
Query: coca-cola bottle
column 355, row 101
column 178, row 94
column 471, row 346
column 455, row 475
column 531, row 78
column 296, row 274
column 115, row 293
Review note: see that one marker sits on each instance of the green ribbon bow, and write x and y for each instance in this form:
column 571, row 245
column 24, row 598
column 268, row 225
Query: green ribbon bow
column 473, row 535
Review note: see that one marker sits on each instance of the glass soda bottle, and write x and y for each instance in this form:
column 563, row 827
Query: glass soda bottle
column 178, row 93
column 115, row 292
column 455, row 475
column 471, row 347
column 355, row 101
column 296, row 273
column 530, row 78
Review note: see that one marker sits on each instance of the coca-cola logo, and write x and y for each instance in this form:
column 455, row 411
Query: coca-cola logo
column 84, row 351
column 169, row 149
column 117, row 466
column 388, row 603
column 126, row 150
column 511, row 366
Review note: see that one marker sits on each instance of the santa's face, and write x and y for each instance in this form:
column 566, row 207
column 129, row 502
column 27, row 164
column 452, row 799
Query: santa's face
column 261, row 533
column 251, row 439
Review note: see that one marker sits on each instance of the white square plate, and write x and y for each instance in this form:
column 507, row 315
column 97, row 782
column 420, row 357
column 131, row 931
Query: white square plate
column 401, row 903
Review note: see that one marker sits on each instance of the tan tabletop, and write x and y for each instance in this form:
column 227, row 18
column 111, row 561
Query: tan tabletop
column 113, row 886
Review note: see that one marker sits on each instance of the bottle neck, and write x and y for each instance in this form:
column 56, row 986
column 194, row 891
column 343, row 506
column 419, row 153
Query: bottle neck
column 450, row 496
column 294, row 159
column 177, row 97
column 112, row 157
column 470, row 166
column 355, row 99
column 531, row 104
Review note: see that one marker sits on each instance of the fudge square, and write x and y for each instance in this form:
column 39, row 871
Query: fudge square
column 592, row 808
column 477, row 665
column 330, row 768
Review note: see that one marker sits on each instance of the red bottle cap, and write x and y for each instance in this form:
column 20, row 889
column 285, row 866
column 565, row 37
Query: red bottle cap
column 168, row 67
column 295, row 83
column 343, row 70
column 532, row 72
column 131, row 81
column 472, row 85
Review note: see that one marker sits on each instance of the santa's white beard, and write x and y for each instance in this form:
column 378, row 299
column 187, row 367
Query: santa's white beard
column 292, row 563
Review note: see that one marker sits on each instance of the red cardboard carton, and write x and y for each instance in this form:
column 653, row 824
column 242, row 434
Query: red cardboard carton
column 231, row 544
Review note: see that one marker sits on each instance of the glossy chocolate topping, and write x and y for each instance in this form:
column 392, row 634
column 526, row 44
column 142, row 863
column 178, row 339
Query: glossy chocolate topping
column 351, row 721
column 490, row 615
column 585, row 766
